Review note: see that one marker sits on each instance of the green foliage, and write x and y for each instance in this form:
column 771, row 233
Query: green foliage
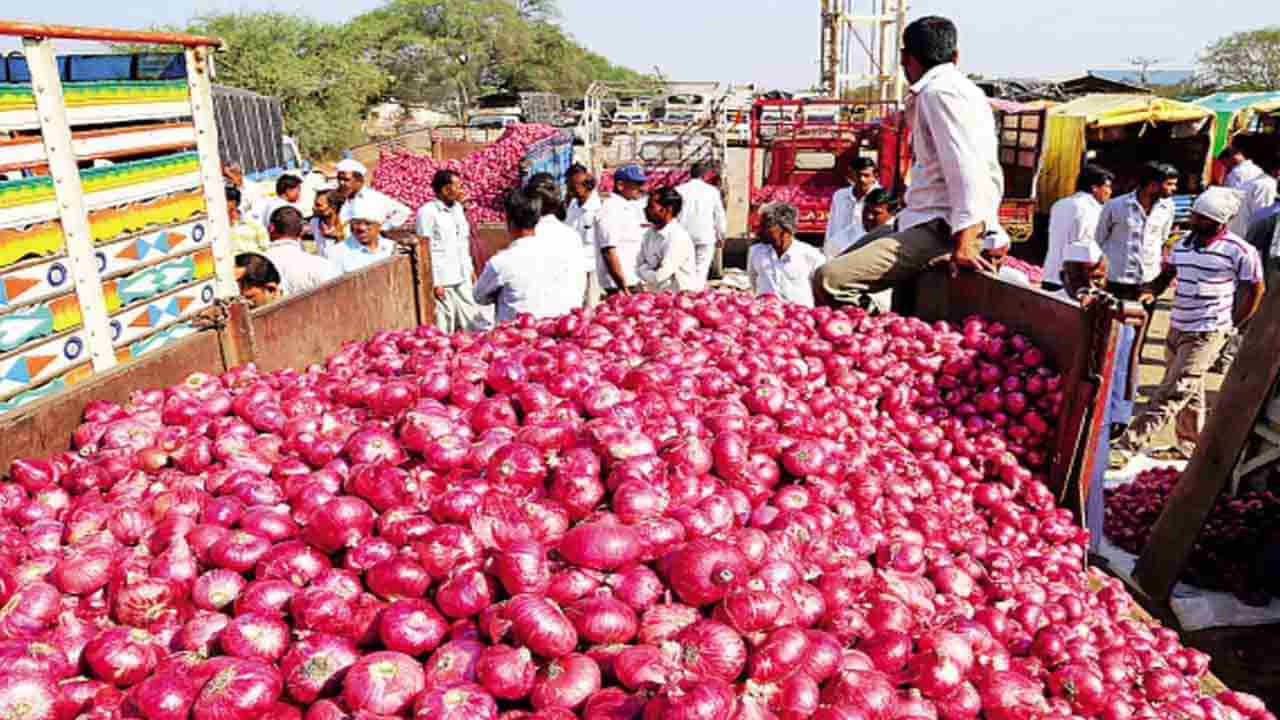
column 322, row 81
column 328, row 75
column 455, row 50
column 1245, row 61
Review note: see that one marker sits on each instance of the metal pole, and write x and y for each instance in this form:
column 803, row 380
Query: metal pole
column 899, row 81
column 199, row 82
column 55, row 132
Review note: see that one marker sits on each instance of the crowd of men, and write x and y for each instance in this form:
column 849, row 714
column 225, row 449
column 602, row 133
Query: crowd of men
column 571, row 246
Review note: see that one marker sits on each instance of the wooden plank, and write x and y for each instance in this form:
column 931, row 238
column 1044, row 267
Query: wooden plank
column 45, row 426
column 28, row 151
column 70, row 32
column 301, row 330
column 1245, row 391
column 423, row 281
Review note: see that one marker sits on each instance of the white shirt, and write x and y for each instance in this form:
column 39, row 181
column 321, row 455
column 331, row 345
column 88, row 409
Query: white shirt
column 790, row 277
column 324, row 243
column 845, row 215
column 1207, row 281
column 1013, row 276
column 300, row 271
column 703, row 212
column 534, row 276
column 551, row 231
column 351, row 255
column 582, row 218
column 450, row 235
column 956, row 175
column 1257, row 194
column 1073, row 219
column 667, row 260
column 1243, row 174
column 270, row 205
column 621, row 226
column 395, row 212
column 1132, row 240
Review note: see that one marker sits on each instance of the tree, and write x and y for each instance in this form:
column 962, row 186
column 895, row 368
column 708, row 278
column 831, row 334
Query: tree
column 1245, row 61
column 323, row 83
column 440, row 49
column 455, row 50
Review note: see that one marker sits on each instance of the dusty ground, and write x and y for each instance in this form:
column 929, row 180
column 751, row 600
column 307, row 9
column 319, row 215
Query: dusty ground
column 1153, row 364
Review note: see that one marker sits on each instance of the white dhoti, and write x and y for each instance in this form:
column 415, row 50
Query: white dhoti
column 703, row 256
column 458, row 310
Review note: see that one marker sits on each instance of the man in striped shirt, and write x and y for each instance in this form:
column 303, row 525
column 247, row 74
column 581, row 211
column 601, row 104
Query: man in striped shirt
column 1211, row 265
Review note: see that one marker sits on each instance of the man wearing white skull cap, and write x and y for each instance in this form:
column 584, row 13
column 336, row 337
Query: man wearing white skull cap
column 1211, row 266
column 366, row 245
column 352, row 175
column 995, row 248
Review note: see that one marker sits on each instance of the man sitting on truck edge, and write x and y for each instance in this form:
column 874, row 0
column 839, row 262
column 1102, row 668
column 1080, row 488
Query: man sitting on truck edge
column 777, row 264
column 1210, row 265
column 957, row 183
column 844, row 222
column 351, row 181
column 444, row 223
column 1074, row 220
column 704, row 216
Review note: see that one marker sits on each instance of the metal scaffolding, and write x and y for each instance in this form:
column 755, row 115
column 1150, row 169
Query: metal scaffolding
column 861, row 48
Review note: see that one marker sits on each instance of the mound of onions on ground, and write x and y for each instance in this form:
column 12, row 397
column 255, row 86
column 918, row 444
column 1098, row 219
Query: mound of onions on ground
column 694, row 507
column 486, row 174
column 1229, row 554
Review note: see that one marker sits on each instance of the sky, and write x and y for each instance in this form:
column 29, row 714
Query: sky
column 775, row 42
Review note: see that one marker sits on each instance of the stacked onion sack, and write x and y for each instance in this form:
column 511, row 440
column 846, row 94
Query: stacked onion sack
column 696, row 507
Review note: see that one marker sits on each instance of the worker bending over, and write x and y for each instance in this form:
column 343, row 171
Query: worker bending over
column 1210, row 265
column 703, row 216
column 956, row 179
column 668, row 259
column 777, row 264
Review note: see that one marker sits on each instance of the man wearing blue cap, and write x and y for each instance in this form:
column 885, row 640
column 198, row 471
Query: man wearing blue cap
column 620, row 231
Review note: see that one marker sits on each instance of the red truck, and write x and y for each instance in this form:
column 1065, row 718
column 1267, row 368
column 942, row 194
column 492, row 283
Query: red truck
column 800, row 151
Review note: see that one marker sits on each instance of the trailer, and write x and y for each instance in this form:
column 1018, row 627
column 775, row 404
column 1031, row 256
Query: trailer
column 800, row 149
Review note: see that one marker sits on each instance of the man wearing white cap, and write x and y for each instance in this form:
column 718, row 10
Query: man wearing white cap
column 366, row 245
column 995, row 248
column 1211, row 265
column 351, row 181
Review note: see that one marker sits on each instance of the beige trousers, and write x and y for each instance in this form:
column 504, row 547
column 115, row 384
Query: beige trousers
column 1180, row 396
column 884, row 259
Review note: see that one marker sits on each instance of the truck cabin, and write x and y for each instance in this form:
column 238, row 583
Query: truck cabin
column 814, row 167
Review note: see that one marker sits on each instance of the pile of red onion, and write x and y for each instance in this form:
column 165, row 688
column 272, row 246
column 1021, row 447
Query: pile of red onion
column 657, row 178
column 1225, row 554
column 487, row 174
column 693, row 507
column 817, row 191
